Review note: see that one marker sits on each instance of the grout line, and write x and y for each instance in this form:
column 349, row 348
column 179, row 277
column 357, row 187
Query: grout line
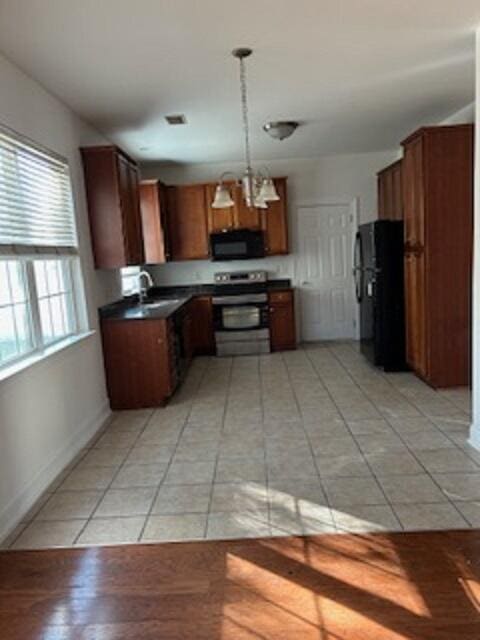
column 225, row 409
column 413, row 452
column 374, row 476
column 109, row 485
column 75, row 463
column 330, row 506
column 169, row 464
column 339, row 355
column 261, row 384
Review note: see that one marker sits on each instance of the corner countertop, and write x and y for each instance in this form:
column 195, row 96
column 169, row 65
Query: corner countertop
column 130, row 309
column 167, row 301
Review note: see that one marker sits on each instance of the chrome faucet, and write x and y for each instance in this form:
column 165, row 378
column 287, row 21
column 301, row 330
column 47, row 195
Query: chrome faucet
column 142, row 290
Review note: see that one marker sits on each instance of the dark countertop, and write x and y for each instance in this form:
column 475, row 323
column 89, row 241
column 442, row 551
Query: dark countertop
column 210, row 289
column 130, row 309
column 171, row 299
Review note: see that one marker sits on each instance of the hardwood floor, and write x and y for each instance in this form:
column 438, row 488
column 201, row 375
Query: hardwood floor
column 415, row 586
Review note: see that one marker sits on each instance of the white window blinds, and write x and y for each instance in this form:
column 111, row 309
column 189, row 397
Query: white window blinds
column 36, row 208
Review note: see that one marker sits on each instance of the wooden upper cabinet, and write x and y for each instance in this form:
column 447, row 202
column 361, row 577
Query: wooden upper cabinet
column 275, row 221
column 390, row 193
column 191, row 219
column 218, row 219
column 130, row 204
column 153, row 208
column 111, row 181
column 245, row 217
column 240, row 216
column 187, row 222
column 414, row 194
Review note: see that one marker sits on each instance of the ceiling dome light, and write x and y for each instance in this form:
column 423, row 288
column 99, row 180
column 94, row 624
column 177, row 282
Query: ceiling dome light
column 281, row 129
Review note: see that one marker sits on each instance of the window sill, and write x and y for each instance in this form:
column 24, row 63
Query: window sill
column 37, row 357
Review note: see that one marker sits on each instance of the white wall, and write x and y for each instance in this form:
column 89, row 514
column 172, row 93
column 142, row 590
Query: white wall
column 49, row 411
column 462, row 116
column 340, row 178
column 475, row 428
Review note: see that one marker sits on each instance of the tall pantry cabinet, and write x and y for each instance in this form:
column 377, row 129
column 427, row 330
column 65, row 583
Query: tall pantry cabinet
column 437, row 179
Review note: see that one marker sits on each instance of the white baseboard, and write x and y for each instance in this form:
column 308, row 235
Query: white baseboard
column 474, row 440
column 13, row 513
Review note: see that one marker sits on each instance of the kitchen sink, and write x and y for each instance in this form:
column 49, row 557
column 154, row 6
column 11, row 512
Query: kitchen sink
column 156, row 304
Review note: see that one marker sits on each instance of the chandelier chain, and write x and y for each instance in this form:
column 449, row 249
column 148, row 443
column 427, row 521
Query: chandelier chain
column 243, row 93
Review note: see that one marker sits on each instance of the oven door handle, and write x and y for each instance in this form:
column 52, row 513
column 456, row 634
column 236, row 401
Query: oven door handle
column 241, row 311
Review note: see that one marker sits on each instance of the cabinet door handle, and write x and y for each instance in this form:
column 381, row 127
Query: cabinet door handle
column 159, row 341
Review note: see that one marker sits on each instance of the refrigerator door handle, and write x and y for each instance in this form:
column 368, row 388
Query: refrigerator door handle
column 358, row 270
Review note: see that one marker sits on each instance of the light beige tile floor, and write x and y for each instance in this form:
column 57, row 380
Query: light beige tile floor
column 302, row 442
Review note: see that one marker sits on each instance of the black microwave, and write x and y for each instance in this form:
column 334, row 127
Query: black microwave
column 237, row 244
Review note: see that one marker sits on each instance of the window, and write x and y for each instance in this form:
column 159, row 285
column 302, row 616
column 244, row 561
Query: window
column 15, row 312
column 130, row 283
column 53, row 281
column 40, row 283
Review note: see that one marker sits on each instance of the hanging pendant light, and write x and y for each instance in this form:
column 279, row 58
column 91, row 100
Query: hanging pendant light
column 222, row 198
column 268, row 191
column 257, row 190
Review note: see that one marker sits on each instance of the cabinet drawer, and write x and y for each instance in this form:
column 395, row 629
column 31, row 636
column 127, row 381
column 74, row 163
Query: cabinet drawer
column 281, row 296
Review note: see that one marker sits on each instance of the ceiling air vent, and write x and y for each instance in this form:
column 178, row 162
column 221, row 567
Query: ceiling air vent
column 176, row 119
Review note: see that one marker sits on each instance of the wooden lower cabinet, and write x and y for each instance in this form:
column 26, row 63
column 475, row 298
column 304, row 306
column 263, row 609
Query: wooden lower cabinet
column 138, row 362
column 416, row 339
column 186, row 322
column 145, row 359
column 282, row 320
column 203, row 340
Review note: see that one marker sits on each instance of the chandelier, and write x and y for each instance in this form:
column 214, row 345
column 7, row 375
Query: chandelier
column 258, row 188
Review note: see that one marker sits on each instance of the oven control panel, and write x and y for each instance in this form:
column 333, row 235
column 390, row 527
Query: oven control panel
column 240, row 277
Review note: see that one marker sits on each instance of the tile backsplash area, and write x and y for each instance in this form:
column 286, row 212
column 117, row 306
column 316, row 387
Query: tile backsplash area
column 202, row 271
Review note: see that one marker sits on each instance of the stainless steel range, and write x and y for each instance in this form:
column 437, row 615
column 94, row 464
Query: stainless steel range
column 240, row 313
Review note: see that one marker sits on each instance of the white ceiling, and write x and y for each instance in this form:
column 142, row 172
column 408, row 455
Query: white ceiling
column 359, row 75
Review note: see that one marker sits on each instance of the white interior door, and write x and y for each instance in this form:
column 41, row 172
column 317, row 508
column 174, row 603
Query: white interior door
column 324, row 271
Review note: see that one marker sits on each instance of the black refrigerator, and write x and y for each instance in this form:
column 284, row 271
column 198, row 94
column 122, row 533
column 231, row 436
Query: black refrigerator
column 378, row 273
